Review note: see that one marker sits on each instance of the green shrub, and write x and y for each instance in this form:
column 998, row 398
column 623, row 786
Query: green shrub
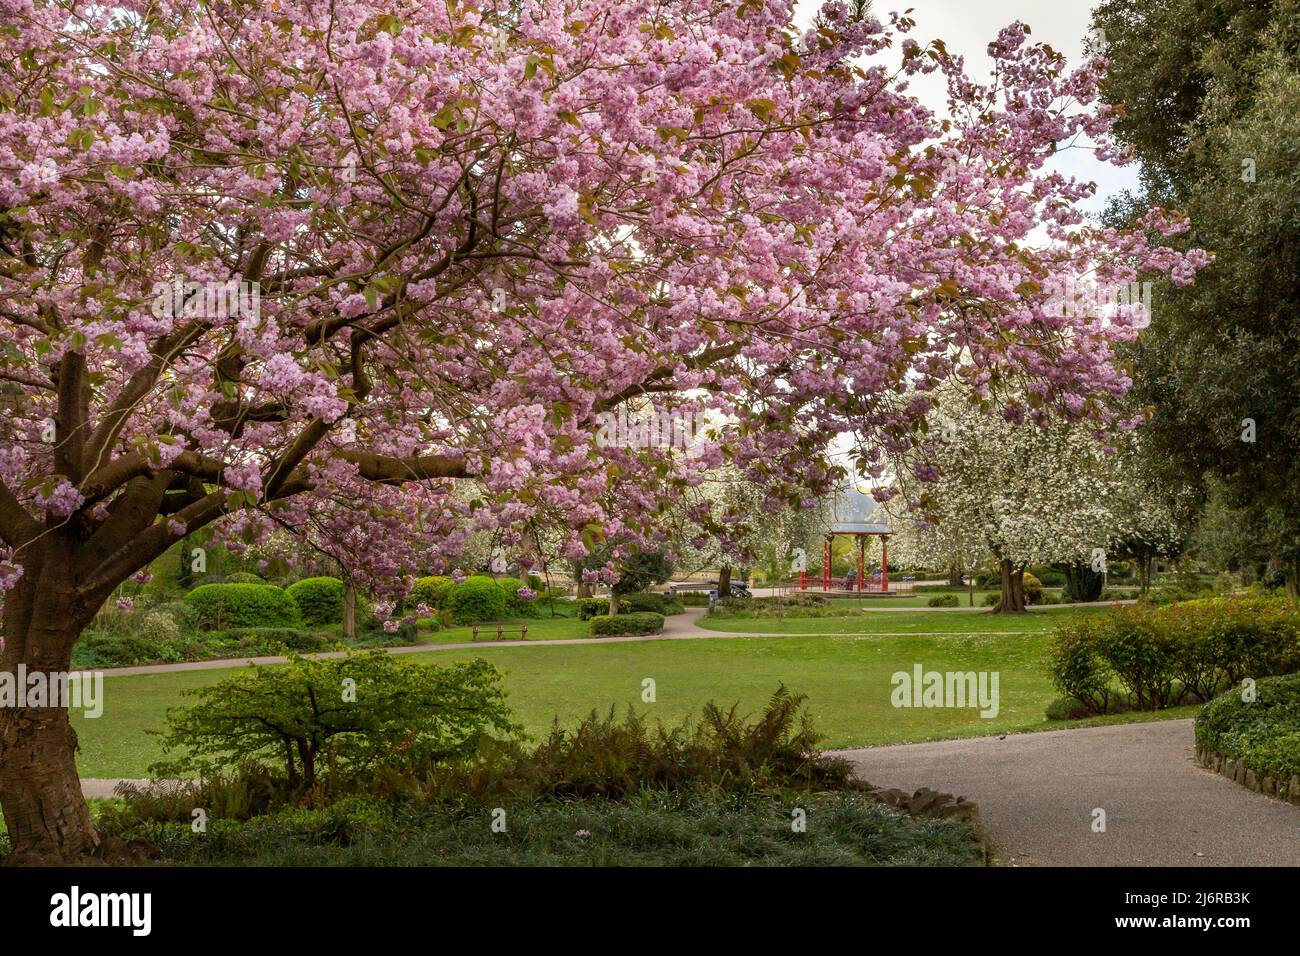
column 1162, row 655
column 642, row 601
column 1033, row 588
column 673, row 607
column 102, row 650
column 185, row 616
column 431, row 591
column 1264, row 733
column 638, row 622
column 476, row 599
column 693, row 598
column 273, row 638
column 590, row 607
column 509, row 589
column 399, row 713
column 320, row 600
column 1067, row 708
column 943, row 600
column 244, row 577
column 219, row 606
column 159, row 626
column 991, row 599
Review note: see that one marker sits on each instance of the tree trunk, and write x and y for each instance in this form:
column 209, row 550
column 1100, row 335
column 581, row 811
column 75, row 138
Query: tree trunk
column 724, row 582
column 954, row 576
column 1013, row 589
column 350, row 610
column 584, row 589
column 1144, row 571
column 613, row 602
column 40, row 791
column 1293, row 579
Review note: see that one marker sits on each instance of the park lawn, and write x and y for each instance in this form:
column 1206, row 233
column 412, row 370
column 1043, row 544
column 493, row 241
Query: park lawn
column 539, row 629
column 846, row 678
column 980, row 620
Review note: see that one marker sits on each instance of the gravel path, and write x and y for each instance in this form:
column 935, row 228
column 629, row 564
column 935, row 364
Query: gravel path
column 1038, row 792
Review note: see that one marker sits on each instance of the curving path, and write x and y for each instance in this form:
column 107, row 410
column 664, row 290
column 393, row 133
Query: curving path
column 1037, row 794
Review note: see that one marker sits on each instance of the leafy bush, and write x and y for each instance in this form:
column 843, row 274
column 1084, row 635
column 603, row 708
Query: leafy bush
column 432, row 591
column 159, row 626
column 509, row 590
column 693, row 598
column 320, row 600
column 1067, row 708
column 1033, row 588
column 991, row 599
column 220, row 606
column 274, row 638
column 637, row 622
column 476, row 599
column 590, row 607
column 673, row 607
column 1161, row 656
column 643, row 601
column 943, row 600
column 185, row 616
column 1264, row 733
column 318, row 720
column 106, row 650
column 244, row 577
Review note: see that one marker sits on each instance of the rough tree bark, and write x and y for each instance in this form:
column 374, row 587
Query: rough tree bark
column 724, row 582
column 1012, row 600
column 350, row 610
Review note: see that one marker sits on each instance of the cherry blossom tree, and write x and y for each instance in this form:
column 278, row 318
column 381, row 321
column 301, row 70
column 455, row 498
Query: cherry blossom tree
column 1023, row 493
column 260, row 261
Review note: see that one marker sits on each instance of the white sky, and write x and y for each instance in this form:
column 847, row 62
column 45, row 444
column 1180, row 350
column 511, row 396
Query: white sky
column 967, row 26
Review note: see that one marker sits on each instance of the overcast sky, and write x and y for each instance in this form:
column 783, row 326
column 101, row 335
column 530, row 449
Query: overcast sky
column 967, row 26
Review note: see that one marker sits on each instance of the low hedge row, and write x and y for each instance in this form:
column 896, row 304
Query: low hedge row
column 1153, row 658
column 220, row 606
column 1263, row 733
column 637, row 622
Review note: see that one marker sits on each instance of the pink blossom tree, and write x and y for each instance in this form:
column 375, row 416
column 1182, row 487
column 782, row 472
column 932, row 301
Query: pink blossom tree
column 265, row 260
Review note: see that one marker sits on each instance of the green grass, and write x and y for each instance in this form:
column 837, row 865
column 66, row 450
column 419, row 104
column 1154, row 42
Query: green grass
column 539, row 629
column 847, row 680
column 980, row 620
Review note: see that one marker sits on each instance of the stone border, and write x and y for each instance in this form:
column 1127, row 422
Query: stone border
column 1236, row 770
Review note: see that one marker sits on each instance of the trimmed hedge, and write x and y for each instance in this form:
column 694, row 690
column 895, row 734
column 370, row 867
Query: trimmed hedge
column 221, row 606
column 590, row 607
column 1160, row 657
column 1264, row 734
column 637, row 622
column 432, row 591
column 476, row 599
column 244, row 577
column 320, row 600
column 643, row 601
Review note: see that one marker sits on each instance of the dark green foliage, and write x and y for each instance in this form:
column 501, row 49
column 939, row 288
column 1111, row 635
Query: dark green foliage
column 637, row 622
column 643, row 601
column 244, row 577
column 943, row 600
column 320, row 720
column 1263, row 733
column 1082, row 583
column 219, row 606
column 320, row 600
column 1162, row 656
column 432, row 591
column 476, row 599
column 590, row 607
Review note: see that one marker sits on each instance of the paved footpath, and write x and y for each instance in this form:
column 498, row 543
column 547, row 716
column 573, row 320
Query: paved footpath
column 1037, row 793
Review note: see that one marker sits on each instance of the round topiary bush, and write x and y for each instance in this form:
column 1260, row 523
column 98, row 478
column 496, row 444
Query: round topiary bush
column 245, row 577
column 220, row 606
column 319, row 599
column 1033, row 588
column 432, row 591
column 476, row 599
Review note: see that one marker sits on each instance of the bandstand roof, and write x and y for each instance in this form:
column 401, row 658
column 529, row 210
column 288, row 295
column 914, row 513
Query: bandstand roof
column 856, row 512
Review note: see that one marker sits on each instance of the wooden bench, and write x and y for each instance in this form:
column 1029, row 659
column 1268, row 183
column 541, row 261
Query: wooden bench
column 503, row 630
